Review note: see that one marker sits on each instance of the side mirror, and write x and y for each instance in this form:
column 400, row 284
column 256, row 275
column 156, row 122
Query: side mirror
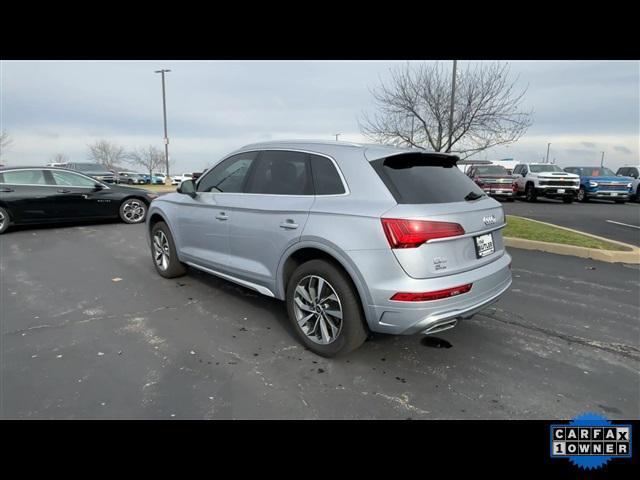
column 98, row 187
column 187, row 187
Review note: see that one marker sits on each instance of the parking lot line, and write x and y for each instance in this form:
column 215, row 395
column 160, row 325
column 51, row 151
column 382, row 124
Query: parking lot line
column 623, row 224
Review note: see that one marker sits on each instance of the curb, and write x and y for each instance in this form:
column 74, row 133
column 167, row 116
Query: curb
column 632, row 256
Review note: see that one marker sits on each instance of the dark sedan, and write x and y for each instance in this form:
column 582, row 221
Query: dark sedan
column 32, row 195
column 495, row 180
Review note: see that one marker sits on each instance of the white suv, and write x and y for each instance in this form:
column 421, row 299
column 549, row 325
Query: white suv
column 545, row 180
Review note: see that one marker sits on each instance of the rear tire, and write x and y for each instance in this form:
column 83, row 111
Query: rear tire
column 325, row 333
column 567, row 199
column 619, row 201
column 5, row 220
column 163, row 252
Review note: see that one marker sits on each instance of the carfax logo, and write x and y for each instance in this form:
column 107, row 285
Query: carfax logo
column 590, row 441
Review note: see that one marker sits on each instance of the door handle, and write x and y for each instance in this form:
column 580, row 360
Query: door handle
column 222, row 216
column 289, row 224
column 6, row 190
column 63, row 190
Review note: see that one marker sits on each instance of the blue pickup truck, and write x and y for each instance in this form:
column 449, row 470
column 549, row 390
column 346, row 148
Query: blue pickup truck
column 601, row 183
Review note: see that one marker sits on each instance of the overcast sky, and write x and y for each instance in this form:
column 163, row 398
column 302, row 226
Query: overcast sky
column 213, row 107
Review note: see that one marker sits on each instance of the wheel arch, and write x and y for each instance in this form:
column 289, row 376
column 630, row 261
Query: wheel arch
column 307, row 250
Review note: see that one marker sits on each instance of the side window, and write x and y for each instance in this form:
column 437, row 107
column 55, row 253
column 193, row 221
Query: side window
column 633, row 172
column 524, row 171
column 326, row 179
column 25, row 177
column 229, row 176
column 69, row 179
column 281, row 173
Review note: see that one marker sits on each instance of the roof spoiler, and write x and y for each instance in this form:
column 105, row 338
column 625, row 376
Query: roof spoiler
column 408, row 159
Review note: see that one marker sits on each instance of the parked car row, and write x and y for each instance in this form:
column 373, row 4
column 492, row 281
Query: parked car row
column 534, row 180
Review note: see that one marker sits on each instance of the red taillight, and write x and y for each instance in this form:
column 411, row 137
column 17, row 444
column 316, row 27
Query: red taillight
column 514, row 187
column 413, row 233
column 427, row 296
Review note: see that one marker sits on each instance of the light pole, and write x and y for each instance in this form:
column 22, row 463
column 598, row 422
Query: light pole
column 337, row 135
column 602, row 160
column 453, row 95
column 547, row 160
column 164, row 111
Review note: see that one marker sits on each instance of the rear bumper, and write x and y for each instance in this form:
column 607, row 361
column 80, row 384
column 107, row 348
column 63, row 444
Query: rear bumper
column 490, row 282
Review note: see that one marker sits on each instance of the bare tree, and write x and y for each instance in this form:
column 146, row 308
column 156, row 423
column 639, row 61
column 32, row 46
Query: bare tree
column 414, row 106
column 59, row 158
column 5, row 142
column 150, row 158
column 107, row 153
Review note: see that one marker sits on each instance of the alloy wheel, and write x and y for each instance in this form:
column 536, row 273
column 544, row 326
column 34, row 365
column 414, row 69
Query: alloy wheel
column 2, row 220
column 161, row 250
column 317, row 309
column 134, row 211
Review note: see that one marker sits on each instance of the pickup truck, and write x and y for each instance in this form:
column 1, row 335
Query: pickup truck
column 545, row 180
column 601, row 183
column 494, row 180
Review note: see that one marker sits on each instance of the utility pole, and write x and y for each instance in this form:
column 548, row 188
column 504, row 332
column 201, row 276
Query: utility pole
column 453, row 96
column 602, row 160
column 337, row 135
column 547, row 160
column 164, row 111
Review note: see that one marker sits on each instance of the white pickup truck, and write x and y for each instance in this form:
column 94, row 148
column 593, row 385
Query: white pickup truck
column 178, row 179
column 535, row 180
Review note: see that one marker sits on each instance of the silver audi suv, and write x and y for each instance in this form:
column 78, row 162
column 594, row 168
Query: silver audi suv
column 355, row 238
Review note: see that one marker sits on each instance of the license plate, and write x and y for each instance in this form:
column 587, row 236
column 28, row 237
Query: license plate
column 484, row 245
column 614, row 194
column 561, row 190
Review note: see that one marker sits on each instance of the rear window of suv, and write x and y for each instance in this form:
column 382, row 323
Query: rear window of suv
column 414, row 178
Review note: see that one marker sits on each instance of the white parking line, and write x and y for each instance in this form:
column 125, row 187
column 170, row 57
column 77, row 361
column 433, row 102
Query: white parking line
column 623, row 224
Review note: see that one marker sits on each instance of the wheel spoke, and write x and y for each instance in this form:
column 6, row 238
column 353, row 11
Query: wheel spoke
column 334, row 313
column 302, row 305
column 319, row 292
column 323, row 330
column 303, row 292
column 303, row 321
column 334, row 328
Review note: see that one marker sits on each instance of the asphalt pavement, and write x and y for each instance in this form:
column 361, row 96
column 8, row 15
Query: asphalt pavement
column 89, row 330
column 599, row 217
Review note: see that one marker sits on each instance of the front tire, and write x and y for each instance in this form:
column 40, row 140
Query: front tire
column 5, row 219
column 530, row 193
column 163, row 252
column 567, row 199
column 582, row 195
column 324, row 309
column 133, row 210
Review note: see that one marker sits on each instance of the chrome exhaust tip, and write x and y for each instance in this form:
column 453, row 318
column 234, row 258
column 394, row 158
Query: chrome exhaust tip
column 440, row 327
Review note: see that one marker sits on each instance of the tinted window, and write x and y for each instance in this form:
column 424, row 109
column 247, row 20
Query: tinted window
column 492, row 170
column 417, row 179
column 72, row 180
column 281, row 173
column 229, row 176
column 89, row 167
column 326, row 179
column 545, row 168
column 25, row 177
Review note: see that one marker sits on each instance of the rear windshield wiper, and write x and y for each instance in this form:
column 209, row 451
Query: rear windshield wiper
column 473, row 196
